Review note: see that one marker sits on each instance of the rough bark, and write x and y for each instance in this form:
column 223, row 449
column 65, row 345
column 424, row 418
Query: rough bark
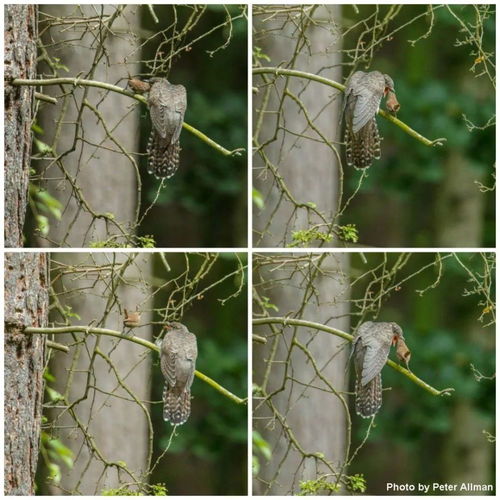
column 19, row 62
column 26, row 304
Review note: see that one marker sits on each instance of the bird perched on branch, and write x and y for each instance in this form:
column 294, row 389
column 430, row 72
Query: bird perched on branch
column 402, row 352
column 167, row 105
column 139, row 86
column 371, row 346
column 178, row 360
column 363, row 94
column 131, row 319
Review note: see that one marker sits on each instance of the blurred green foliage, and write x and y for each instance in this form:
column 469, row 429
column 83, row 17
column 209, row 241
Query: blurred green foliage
column 53, row 451
column 208, row 186
column 261, row 450
column 441, row 87
column 444, row 322
column 208, row 454
column 156, row 490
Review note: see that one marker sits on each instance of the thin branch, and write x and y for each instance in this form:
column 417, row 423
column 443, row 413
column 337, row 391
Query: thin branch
column 259, row 339
column 339, row 86
column 57, row 347
column 80, row 82
column 131, row 338
column 347, row 336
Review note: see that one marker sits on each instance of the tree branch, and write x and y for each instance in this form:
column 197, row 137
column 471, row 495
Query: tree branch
column 339, row 86
column 77, row 82
column 347, row 336
column 137, row 340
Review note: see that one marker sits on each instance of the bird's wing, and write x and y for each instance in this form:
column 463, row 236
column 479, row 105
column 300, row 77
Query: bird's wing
column 349, row 87
column 368, row 95
column 156, row 99
column 377, row 344
column 191, row 355
column 179, row 104
column 168, row 359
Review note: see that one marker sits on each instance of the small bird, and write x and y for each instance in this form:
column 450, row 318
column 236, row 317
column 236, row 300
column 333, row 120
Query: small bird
column 402, row 352
column 391, row 102
column 178, row 361
column 131, row 319
column 139, row 86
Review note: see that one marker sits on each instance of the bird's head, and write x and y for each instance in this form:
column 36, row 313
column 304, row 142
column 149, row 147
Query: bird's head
column 174, row 325
column 397, row 333
column 389, row 85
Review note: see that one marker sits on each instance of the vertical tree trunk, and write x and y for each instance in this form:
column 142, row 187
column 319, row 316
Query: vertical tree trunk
column 117, row 425
column 459, row 223
column 26, row 304
column 104, row 176
column 316, row 418
column 308, row 169
column 19, row 62
column 460, row 206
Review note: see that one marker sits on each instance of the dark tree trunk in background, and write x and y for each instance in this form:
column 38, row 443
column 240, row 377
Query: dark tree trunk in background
column 466, row 437
column 20, row 34
column 461, row 205
column 26, row 304
column 460, row 211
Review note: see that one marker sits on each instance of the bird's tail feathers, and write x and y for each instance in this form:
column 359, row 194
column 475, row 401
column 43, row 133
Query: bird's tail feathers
column 176, row 406
column 163, row 156
column 369, row 397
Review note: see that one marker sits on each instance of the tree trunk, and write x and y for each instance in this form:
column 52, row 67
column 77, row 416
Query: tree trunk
column 19, row 62
column 103, row 173
column 308, row 169
column 26, row 304
column 117, row 425
column 466, row 438
column 316, row 417
column 460, row 206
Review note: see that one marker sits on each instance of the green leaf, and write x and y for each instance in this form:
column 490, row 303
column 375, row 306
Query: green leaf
column 42, row 223
column 257, row 198
column 349, row 232
column 255, row 466
column 268, row 305
column 45, row 201
column 54, row 472
column 53, row 394
column 258, row 54
column 42, row 147
column 68, row 312
column 261, row 445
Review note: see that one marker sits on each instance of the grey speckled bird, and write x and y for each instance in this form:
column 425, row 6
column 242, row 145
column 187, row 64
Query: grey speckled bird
column 371, row 346
column 363, row 94
column 178, row 361
column 167, row 105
